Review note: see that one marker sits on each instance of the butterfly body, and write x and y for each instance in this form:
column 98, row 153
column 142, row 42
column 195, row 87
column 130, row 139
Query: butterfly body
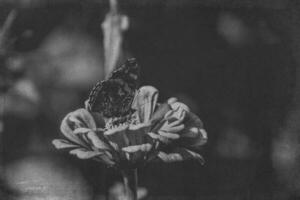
column 113, row 97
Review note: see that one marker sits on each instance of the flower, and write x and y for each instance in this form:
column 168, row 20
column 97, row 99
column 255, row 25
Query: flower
column 153, row 131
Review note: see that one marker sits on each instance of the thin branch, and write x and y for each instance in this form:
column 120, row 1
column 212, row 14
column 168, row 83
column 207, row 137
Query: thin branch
column 5, row 29
column 113, row 27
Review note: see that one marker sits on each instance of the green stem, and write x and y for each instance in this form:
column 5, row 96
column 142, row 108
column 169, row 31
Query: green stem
column 130, row 183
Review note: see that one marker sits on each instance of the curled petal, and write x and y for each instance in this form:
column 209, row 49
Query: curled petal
column 85, row 154
column 193, row 135
column 200, row 140
column 193, row 120
column 145, row 102
column 62, row 144
column 80, row 118
column 176, row 105
column 67, row 130
column 172, row 100
column 176, row 115
column 176, row 121
column 173, row 124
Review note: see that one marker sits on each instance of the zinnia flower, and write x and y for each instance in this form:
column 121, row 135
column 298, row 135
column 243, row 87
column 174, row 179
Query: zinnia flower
column 167, row 132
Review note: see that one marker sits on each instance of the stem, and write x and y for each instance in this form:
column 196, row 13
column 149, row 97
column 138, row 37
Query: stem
column 130, row 182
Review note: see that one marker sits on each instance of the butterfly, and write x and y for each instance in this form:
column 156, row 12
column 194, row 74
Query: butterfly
column 113, row 97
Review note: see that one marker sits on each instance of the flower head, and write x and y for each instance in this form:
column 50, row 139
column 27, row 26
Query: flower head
column 152, row 131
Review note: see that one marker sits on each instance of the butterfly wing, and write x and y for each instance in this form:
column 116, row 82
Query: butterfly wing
column 113, row 97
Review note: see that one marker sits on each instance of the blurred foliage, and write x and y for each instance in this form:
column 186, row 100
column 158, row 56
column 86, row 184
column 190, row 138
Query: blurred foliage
column 231, row 61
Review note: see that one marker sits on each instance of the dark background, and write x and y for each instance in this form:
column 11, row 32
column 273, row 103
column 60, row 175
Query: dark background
column 233, row 62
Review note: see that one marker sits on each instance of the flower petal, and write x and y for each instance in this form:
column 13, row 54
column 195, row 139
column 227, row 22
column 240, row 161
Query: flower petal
column 176, row 105
column 95, row 140
column 189, row 155
column 172, row 124
column 172, row 157
column 98, row 118
column 158, row 137
column 67, row 131
column 169, row 135
column 193, row 135
column 170, row 127
column 117, row 137
column 180, row 154
column 172, row 100
column 137, row 153
column 145, row 102
column 138, row 126
column 80, row 118
column 81, row 130
column 194, row 139
column 192, row 120
column 142, row 147
column 62, row 144
column 160, row 113
column 85, row 154
column 83, row 117
column 137, row 134
column 105, row 159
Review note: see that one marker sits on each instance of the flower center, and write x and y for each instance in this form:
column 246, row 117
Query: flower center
column 121, row 121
